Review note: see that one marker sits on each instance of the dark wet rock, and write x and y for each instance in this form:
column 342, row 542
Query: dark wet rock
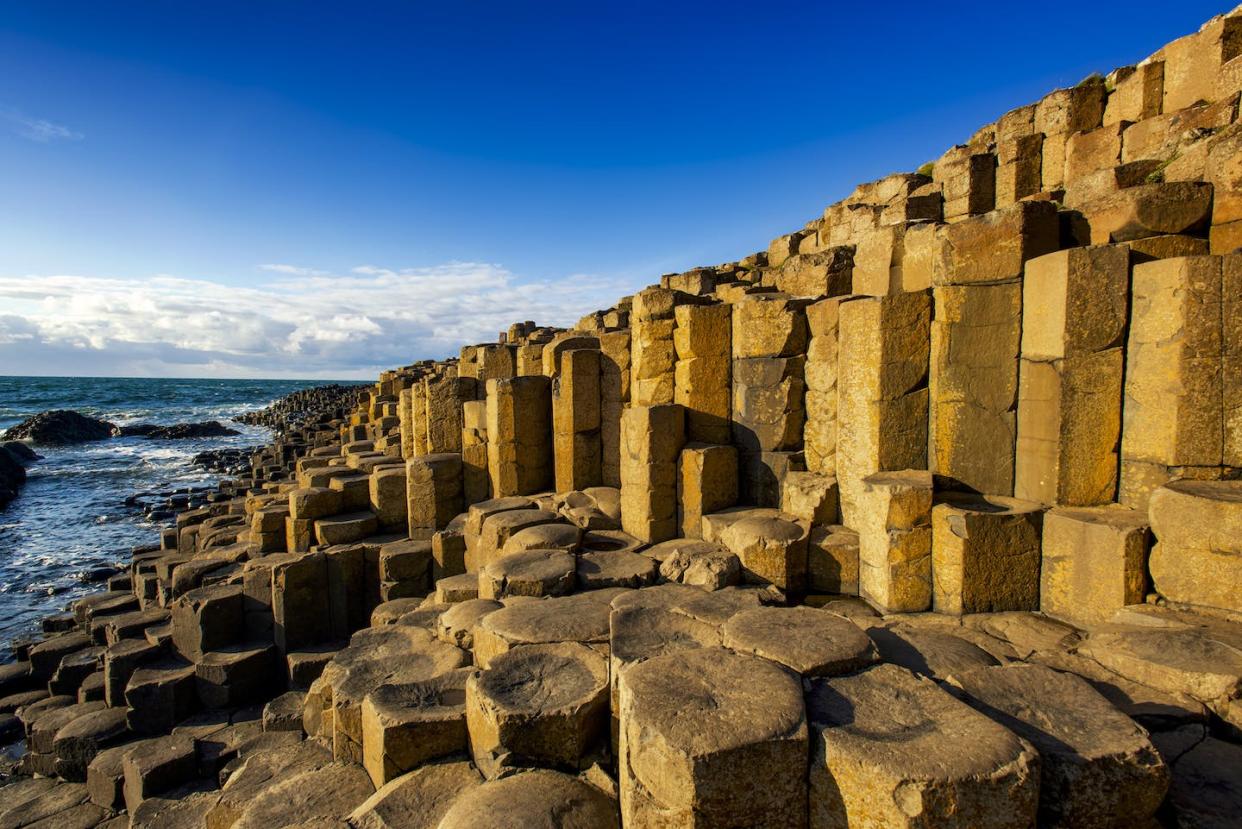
column 178, row 431
column 60, row 427
column 160, row 505
column 21, row 453
column 227, row 460
column 10, row 728
column 12, row 476
column 97, row 574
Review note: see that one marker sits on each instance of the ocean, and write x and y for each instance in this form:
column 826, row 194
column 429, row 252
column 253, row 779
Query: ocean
column 71, row 518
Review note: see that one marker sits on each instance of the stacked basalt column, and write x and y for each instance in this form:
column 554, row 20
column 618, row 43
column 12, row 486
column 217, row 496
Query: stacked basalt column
column 1003, row 384
column 707, row 468
column 653, row 354
column 976, row 338
column 519, row 435
column 614, row 396
column 769, row 343
column 576, row 420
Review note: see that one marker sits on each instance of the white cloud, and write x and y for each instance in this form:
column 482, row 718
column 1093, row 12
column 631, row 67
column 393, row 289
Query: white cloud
column 298, row 323
column 39, row 129
column 292, row 270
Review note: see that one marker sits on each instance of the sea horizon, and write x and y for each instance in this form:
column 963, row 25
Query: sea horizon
column 317, row 380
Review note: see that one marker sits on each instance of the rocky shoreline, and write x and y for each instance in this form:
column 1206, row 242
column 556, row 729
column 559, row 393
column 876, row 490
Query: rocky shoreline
column 926, row 516
column 60, row 427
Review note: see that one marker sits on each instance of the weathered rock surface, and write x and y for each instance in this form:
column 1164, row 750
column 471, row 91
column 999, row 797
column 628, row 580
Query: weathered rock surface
column 540, row 704
column 893, row 749
column 807, row 641
column 711, row 738
column 1097, row 767
column 540, row 799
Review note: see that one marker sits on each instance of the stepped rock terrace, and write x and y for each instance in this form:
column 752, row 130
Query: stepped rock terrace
column 928, row 514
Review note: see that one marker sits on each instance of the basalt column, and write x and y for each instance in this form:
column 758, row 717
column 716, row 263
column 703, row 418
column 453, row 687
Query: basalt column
column 476, row 483
column 1177, row 377
column 519, row 435
column 820, row 431
column 769, row 356
column 653, row 354
column 651, row 441
column 444, row 398
column 882, row 391
column 434, row 490
column 614, row 395
column 576, row 420
column 975, row 341
column 702, row 377
column 1070, row 377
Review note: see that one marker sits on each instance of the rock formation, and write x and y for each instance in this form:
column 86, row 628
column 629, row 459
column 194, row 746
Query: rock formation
column 177, row 431
column 12, row 474
column 927, row 515
column 59, row 428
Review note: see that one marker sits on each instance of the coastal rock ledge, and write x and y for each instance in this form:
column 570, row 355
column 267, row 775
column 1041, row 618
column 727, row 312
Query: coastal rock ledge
column 927, row 515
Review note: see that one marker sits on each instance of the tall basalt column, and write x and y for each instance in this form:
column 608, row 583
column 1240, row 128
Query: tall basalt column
column 893, row 514
column 975, row 341
column 576, row 420
column 468, row 362
column 1174, row 420
column 614, row 394
column 300, row 608
column 882, row 391
column 566, row 341
column 444, row 398
column 519, row 435
column 967, row 176
column 1070, row 376
column 707, row 483
column 433, row 486
column 494, row 362
column 653, row 354
column 702, row 373
column 1060, row 114
column 476, row 483
column 651, row 441
column 652, row 351
column 406, row 417
column 389, row 499
column 769, row 355
column 822, row 375
column 528, row 358
column 418, row 419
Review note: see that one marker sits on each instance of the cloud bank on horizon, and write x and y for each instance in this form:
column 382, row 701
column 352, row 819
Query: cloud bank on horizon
column 295, row 322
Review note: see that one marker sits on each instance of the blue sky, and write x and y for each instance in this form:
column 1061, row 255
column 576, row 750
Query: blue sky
column 174, row 172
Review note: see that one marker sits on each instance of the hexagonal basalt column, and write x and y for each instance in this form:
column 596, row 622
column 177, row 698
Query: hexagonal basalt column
column 711, row 738
column 542, row 704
